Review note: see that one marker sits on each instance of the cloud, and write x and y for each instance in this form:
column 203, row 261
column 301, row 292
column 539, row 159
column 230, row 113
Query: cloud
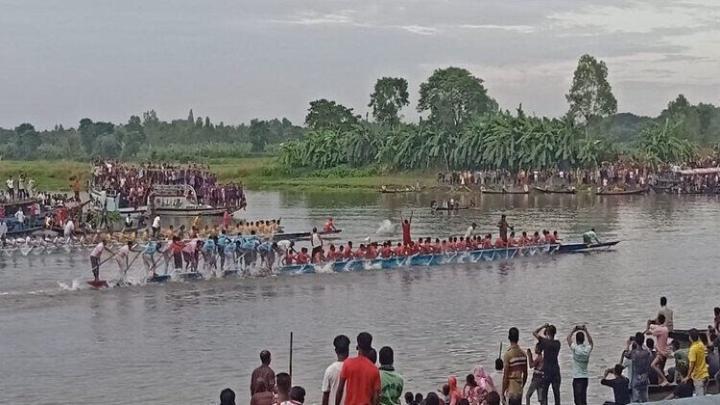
column 420, row 29
column 522, row 29
column 344, row 17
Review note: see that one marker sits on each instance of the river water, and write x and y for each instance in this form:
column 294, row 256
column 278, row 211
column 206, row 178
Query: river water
column 182, row 343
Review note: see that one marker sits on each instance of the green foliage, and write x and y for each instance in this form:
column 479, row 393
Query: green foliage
column 498, row 141
column 590, row 95
column 662, row 144
column 328, row 115
column 388, row 98
column 452, row 96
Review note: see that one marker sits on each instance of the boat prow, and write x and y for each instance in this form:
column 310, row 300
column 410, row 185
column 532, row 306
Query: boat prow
column 97, row 284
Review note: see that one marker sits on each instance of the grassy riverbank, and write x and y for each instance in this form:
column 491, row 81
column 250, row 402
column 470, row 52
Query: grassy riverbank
column 255, row 173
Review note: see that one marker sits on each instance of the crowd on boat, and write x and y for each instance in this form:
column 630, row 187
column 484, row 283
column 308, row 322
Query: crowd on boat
column 134, row 183
column 518, row 374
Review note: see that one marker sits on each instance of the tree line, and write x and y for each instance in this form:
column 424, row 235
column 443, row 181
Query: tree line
column 461, row 127
column 464, row 128
column 148, row 138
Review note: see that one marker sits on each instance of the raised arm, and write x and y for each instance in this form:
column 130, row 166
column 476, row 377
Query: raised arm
column 569, row 336
column 589, row 338
column 537, row 331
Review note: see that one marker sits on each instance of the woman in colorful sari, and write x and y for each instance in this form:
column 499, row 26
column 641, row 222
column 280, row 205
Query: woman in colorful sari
column 455, row 394
column 471, row 391
column 484, row 382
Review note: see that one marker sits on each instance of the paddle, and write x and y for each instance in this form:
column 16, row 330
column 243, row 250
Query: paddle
column 498, row 362
column 124, row 278
column 291, row 355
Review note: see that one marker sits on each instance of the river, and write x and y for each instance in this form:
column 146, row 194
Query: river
column 182, row 343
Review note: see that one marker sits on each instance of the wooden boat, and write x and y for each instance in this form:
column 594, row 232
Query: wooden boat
column 302, row 235
column 551, row 191
column 581, row 247
column 659, row 392
column 624, row 192
column 504, row 191
column 448, row 208
column 683, row 336
column 388, row 190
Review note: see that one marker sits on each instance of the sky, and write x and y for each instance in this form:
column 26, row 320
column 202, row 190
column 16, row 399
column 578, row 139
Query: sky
column 234, row 60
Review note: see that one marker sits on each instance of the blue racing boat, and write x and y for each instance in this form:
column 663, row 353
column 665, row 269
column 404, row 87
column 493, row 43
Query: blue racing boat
column 425, row 260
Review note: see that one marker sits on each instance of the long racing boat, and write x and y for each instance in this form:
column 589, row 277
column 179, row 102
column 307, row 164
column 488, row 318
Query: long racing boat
column 475, row 256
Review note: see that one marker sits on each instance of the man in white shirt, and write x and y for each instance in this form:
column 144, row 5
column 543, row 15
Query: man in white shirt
column 331, row 379
column 580, row 357
column 20, row 216
column 156, row 226
column 317, row 245
column 471, row 230
column 69, row 229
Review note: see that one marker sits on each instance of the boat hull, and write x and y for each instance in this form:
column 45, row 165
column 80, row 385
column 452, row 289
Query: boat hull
column 421, row 260
column 549, row 191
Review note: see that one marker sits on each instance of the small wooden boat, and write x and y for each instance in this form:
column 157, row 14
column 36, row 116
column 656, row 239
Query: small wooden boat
column 683, row 336
column 623, row 192
column 302, row 235
column 448, row 208
column 551, row 191
column 504, row 191
column 581, row 247
column 659, row 392
column 386, row 190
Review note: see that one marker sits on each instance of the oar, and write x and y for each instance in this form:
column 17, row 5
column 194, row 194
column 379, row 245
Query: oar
column 130, row 264
column 291, row 355
column 498, row 361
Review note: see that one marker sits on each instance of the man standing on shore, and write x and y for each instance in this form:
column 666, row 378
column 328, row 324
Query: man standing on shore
column 551, row 368
column 515, row 368
column 698, row 369
column 264, row 372
column 331, row 379
column 391, row 383
column 359, row 378
column 640, row 360
column 581, row 357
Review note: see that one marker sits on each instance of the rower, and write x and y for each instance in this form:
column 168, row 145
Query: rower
column 329, row 226
column 590, row 236
column 148, row 256
column 68, row 230
column 122, row 258
column 95, row 258
column 317, row 244
column 406, row 229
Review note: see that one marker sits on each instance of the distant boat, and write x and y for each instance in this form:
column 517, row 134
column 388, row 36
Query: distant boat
column 551, row 191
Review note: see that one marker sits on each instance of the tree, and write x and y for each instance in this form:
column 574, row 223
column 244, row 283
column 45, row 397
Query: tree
column 258, row 135
column 87, row 135
column 590, row 95
column 28, row 140
column 389, row 97
column 191, row 117
column 453, row 95
column 325, row 114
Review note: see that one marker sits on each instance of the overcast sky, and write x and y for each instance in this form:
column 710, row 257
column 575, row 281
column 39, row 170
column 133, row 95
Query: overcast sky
column 62, row 60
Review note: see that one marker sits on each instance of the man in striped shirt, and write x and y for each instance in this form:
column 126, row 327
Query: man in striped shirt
column 515, row 370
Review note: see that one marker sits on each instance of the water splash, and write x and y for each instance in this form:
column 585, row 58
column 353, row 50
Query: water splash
column 386, row 228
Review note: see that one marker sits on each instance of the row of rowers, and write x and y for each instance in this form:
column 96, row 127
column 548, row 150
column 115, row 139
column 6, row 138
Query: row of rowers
column 386, row 250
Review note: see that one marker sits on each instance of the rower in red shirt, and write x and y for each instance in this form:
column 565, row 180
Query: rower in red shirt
column 499, row 243
column 371, row 252
column 549, row 238
column 437, row 248
column 302, row 257
column 360, row 252
column 332, row 253
column 399, row 250
column 348, row 253
column 487, row 242
column 511, row 240
column 386, row 252
column 536, row 238
column 329, row 226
